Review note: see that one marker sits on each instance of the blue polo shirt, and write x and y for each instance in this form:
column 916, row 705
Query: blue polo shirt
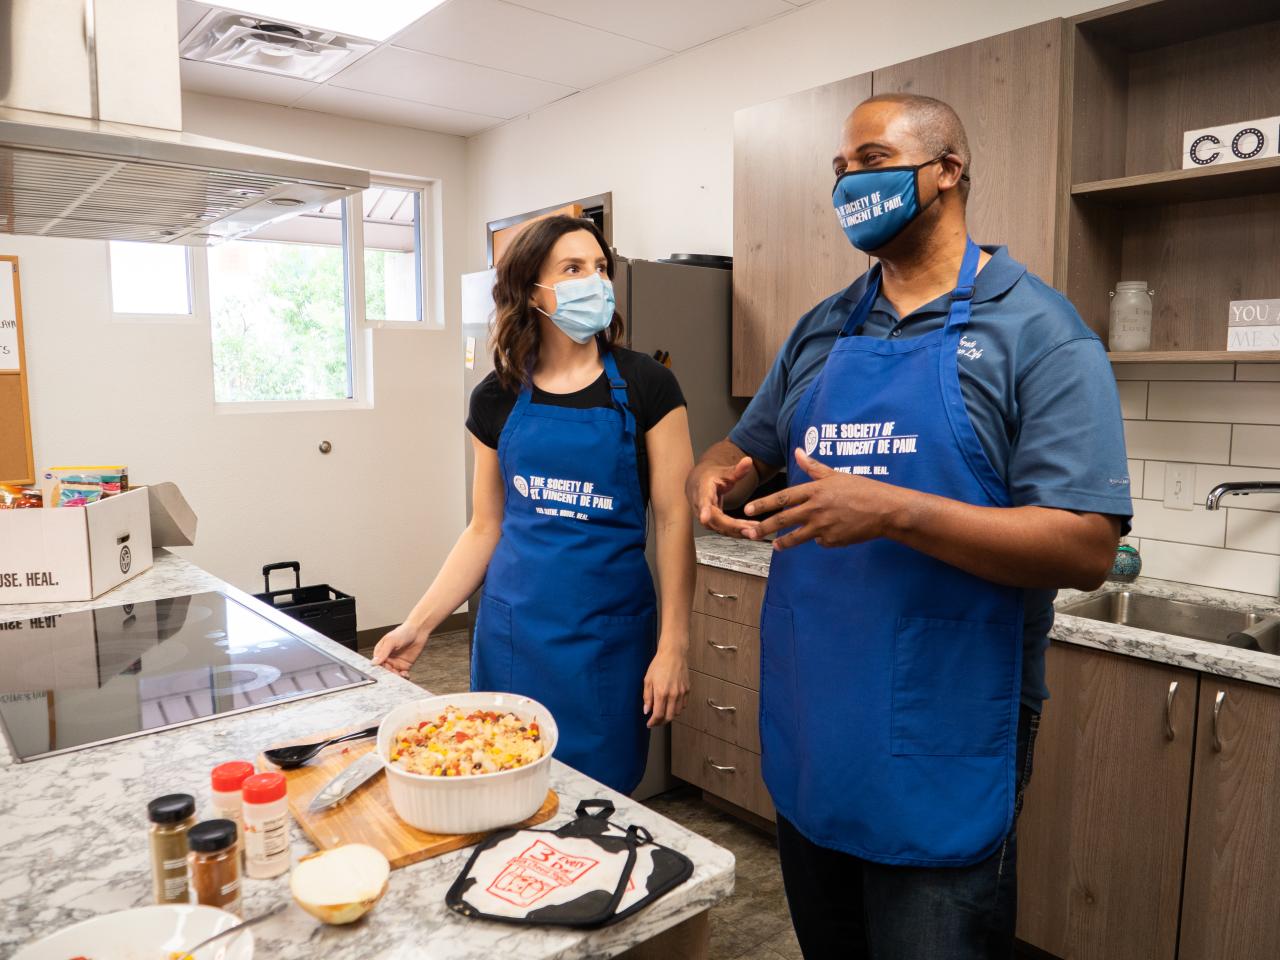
column 1037, row 386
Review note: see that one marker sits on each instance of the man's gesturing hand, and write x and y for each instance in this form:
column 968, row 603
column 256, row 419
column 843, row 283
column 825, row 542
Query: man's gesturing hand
column 707, row 487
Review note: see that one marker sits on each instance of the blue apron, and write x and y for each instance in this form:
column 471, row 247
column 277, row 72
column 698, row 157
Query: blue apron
column 890, row 681
column 568, row 613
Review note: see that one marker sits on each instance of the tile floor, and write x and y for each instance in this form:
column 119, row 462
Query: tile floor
column 752, row 924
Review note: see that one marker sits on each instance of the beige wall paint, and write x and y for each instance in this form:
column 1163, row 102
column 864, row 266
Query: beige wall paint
column 377, row 516
column 661, row 139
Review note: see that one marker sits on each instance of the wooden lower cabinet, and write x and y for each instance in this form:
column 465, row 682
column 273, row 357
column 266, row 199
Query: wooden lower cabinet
column 720, row 768
column 1101, row 837
column 1231, row 898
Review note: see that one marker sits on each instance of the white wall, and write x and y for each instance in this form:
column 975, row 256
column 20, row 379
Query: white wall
column 661, row 139
column 376, row 516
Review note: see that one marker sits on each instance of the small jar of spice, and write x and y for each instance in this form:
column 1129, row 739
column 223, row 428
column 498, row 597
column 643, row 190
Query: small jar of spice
column 214, row 864
column 266, row 825
column 226, row 781
column 171, row 817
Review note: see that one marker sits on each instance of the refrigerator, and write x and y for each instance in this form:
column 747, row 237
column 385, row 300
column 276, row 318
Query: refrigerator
column 679, row 309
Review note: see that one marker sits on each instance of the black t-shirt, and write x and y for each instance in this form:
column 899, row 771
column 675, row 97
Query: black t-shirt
column 652, row 393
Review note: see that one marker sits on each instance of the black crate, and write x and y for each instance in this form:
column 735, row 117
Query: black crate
column 321, row 607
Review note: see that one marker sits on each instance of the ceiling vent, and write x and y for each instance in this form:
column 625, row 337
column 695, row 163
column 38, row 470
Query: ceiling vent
column 280, row 48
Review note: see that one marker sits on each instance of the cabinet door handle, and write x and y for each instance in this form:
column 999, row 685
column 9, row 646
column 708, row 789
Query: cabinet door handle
column 715, row 706
column 716, row 766
column 722, row 646
column 1169, row 732
column 1218, row 701
column 722, row 596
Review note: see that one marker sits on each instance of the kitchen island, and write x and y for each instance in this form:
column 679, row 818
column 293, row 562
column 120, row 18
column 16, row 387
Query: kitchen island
column 73, row 828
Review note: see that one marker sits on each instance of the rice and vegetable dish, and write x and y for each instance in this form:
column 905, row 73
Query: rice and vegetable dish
column 458, row 744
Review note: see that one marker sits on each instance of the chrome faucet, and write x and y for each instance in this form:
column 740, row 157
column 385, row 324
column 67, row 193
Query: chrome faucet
column 1243, row 488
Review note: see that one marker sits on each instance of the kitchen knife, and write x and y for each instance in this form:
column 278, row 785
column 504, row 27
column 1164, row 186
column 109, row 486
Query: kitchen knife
column 347, row 782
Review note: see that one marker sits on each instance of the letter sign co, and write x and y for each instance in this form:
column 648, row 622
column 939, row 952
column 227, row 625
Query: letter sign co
column 1231, row 143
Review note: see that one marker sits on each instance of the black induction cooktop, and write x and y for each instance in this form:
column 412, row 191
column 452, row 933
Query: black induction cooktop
column 76, row 680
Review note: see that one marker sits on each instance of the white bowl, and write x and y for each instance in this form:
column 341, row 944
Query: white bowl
column 471, row 804
column 147, row 933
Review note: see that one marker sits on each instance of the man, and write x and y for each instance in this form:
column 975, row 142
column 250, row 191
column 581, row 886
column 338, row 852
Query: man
column 955, row 454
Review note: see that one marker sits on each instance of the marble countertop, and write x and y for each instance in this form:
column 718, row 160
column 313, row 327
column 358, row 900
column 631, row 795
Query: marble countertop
column 753, row 558
column 73, row 831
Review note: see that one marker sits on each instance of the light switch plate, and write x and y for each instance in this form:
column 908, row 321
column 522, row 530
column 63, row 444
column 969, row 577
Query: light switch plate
column 1179, row 482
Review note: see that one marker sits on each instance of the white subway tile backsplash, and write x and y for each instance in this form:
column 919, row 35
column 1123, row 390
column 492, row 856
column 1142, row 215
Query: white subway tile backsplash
column 1174, row 371
column 1136, row 470
column 1211, row 566
column 1258, row 371
column 1255, row 446
column 1133, row 399
column 1205, row 527
column 1153, row 480
column 1209, row 475
column 1191, row 442
column 1254, row 530
column 1213, row 402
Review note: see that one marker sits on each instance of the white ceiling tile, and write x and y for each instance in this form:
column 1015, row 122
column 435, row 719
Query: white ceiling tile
column 401, row 113
column 674, row 24
column 224, row 81
column 189, row 14
column 507, row 37
column 426, row 78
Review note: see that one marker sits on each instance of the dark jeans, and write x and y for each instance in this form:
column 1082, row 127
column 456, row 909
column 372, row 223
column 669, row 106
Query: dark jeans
column 846, row 908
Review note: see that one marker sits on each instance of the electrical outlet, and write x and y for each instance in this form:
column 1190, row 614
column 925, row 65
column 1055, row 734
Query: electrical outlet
column 1179, row 482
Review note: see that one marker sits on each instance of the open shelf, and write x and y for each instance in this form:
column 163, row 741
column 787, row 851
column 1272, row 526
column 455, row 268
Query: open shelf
column 1194, row 356
column 1244, row 178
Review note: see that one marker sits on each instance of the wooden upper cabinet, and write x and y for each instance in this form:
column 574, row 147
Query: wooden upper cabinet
column 789, row 252
column 1100, row 841
column 1233, row 847
column 1007, row 90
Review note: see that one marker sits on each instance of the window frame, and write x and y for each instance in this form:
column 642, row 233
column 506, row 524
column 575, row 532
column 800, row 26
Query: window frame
column 430, row 260
column 359, row 346
column 197, row 290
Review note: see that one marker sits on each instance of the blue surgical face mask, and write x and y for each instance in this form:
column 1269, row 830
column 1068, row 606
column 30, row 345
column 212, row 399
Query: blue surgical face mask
column 584, row 306
column 876, row 205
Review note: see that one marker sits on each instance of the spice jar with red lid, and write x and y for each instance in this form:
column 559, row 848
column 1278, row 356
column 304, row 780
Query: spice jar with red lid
column 265, row 808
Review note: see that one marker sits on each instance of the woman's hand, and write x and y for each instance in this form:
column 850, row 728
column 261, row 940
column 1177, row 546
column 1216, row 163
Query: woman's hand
column 666, row 685
column 399, row 648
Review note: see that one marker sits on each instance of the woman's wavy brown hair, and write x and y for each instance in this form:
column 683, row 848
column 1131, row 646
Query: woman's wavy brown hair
column 516, row 336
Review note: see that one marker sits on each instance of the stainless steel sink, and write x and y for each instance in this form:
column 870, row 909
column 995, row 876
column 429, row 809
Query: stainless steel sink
column 1200, row 621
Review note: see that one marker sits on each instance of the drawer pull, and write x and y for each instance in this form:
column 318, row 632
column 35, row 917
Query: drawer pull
column 715, row 706
column 1217, row 710
column 731, row 647
column 722, row 596
column 1169, row 732
column 717, row 766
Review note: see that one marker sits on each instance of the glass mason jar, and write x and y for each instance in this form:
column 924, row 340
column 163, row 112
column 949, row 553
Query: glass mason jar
column 1130, row 316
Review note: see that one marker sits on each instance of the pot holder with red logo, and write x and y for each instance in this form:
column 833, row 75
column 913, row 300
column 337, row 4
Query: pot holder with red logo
column 587, row 873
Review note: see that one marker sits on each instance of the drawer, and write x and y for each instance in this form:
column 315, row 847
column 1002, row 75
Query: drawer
column 725, row 650
column 729, row 595
column 724, row 710
column 720, row 768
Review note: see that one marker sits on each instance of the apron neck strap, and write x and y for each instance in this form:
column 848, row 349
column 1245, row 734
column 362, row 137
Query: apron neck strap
column 617, row 388
column 962, row 295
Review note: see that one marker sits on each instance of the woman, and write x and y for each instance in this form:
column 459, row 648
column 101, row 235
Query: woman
column 573, row 436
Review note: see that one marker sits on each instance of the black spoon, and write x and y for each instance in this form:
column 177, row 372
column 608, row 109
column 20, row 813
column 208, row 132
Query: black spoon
column 288, row 758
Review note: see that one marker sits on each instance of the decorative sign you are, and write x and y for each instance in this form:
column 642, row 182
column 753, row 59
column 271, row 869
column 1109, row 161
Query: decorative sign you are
column 1254, row 325
column 1231, row 143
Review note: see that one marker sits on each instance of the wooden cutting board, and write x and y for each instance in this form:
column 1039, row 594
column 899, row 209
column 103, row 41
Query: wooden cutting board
column 367, row 815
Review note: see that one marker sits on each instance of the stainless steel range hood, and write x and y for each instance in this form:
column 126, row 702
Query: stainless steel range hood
column 91, row 142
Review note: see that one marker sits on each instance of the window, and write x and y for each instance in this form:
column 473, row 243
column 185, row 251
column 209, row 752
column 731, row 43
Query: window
column 392, row 228
column 279, row 313
column 151, row 281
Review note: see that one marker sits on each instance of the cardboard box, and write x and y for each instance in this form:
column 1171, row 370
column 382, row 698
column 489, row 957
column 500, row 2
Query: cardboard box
column 74, row 553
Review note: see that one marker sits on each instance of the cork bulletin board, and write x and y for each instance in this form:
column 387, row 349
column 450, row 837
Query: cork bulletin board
column 16, row 462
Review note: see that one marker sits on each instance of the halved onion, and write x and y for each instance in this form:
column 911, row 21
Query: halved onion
column 340, row 885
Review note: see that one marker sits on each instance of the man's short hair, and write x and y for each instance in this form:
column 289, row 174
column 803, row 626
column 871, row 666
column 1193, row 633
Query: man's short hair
column 936, row 126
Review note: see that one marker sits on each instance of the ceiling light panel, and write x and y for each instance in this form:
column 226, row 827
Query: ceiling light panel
column 370, row 19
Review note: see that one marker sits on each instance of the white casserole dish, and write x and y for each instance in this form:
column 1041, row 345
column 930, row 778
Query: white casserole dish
column 472, row 804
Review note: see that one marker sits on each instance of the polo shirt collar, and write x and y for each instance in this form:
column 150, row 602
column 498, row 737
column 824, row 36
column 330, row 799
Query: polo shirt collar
column 993, row 280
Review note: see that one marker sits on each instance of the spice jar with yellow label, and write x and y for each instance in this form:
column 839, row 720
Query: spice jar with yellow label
column 214, row 864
